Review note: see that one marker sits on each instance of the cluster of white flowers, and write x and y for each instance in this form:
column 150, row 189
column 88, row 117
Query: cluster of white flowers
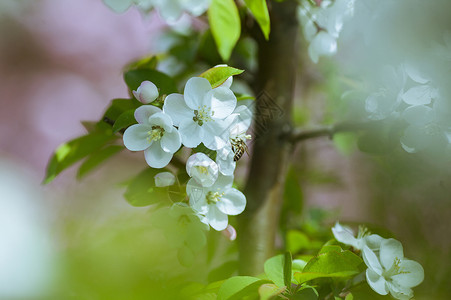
column 322, row 25
column 388, row 270
column 169, row 10
column 201, row 115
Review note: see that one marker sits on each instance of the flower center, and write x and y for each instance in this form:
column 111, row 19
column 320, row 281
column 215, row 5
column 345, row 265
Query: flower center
column 394, row 270
column 203, row 114
column 202, row 170
column 214, row 197
column 155, row 134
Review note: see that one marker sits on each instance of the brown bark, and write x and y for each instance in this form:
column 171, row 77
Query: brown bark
column 264, row 189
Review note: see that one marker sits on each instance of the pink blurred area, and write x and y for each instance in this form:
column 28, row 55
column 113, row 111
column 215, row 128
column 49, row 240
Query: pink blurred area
column 61, row 62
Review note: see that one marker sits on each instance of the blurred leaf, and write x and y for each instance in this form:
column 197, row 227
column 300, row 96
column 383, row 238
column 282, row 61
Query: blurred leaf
column 267, row 291
column 297, row 241
column 126, row 119
column 218, row 75
column 69, row 153
column 224, row 271
column 207, row 50
column 117, row 108
column 225, row 25
column 345, row 142
column 238, row 287
column 97, row 158
column 330, row 262
column 260, row 11
column 274, row 269
column 149, row 62
column 349, row 297
column 287, row 274
column 306, row 292
column 142, row 191
column 166, row 85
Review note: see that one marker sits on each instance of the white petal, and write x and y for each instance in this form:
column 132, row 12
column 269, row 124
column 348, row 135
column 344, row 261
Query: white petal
column 224, row 159
column 170, row 10
column 161, row 119
column 391, row 249
column 344, row 235
column 223, row 183
column 143, row 113
column 418, row 115
column 176, row 108
column 232, row 203
column 196, row 7
column 135, row 137
column 376, row 282
column 156, row 157
column 399, row 292
column 191, row 133
column 412, row 274
column 202, row 169
column 223, row 102
column 415, row 75
column 373, row 241
column 164, row 179
column 147, row 92
column 171, row 141
column 243, row 120
column 217, row 219
column 371, row 260
column 197, row 196
column 118, row 6
column 216, row 134
column 323, row 44
column 195, row 91
column 419, row 95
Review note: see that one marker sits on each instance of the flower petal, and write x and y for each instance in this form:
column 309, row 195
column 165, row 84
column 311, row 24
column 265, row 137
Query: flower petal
column 391, row 249
column 217, row 219
column 169, row 10
column 191, row 133
column 202, row 169
column 344, row 235
column 118, row 6
column 156, row 157
column 161, row 119
column 371, row 260
column 135, row 137
column 171, row 141
column 147, row 92
column 195, row 90
column 223, row 102
column 419, row 95
column 243, row 121
column 197, row 196
column 196, row 7
column 376, row 282
column 418, row 115
column 176, row 108
column 216, row 134
column 164, row 179
column 232, row 203
column 412, row 274
column 143, row 113
column 373, row 241
column 399, row 292
column 322, row 44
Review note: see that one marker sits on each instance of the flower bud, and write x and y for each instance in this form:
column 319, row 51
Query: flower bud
column 164, row 179
column 147, row 92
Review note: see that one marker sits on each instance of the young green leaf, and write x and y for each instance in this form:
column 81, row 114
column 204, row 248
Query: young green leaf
column 142, row 191
column 225, row 25
column 97, row 158
column 238, row 287
column 218, row 75
column 166, row 85
column 269, row 291
column 126, row 119
column 69, row 153
column 259, row 9
column 287, row 275
column 117, row 108
column 274, row 269
column 330, row 262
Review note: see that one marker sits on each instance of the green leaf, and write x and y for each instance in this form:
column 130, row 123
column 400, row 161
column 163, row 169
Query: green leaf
column 274, row 268
column 142, row 191
column 69, row 153
column 330, row 262
column 268, row 291
column 218, row 75
column 97, row 158
column 166, row 85
column 287, row 275
column 260, row 11
column 238, row 287
column 224, row 271
column 225, row 25
column 117, row 108
column 306, row 292
column 149, row 62
column 126, row 119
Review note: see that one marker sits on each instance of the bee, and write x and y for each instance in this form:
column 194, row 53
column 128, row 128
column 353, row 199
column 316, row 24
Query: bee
column 239, row 147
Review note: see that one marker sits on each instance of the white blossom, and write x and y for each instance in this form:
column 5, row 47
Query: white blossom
column 155, row 135
column 389, row 272
column 202, row 169
column 164, row 179
column 344, row 235
column 147, row 92
column 215, row 203
column 202, row 114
